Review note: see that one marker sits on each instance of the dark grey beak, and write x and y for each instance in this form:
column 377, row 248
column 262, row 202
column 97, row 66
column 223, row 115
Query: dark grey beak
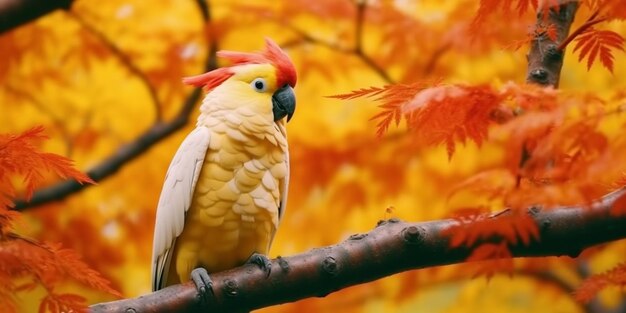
column 283, row 103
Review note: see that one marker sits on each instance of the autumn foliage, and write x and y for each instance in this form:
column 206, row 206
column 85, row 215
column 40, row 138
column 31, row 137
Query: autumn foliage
column 555, row 151
column 26, row 264
column 418, row 110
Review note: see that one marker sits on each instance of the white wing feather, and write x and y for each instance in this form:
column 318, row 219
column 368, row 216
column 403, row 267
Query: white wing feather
column 283, row 197
column 178, row 188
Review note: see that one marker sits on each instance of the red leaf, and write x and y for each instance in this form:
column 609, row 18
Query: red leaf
column 18, row 155
column 508, row 227
column 454, row 113
column 71, row 263
column 393, row 97
column 492, row 258
column 492, row 183
column 523, row 5
column 594, row 284
column 46, row 306
column 551, row 32
column 363, row 92
column 502, row 7
column 63, row 303
column 595, row 43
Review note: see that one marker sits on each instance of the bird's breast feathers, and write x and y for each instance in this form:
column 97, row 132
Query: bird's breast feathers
column 239, row 190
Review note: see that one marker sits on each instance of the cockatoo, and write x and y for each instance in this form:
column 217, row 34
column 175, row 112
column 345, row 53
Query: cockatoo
column 226, row 188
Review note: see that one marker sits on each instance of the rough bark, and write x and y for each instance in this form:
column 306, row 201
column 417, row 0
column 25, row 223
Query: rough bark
column 390, row 248
column 14, row 13
column 545, row 59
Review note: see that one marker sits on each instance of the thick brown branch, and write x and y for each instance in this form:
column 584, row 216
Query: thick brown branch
column 127, row 153
column 392, row 247
column 545, row 59
column 14, row 13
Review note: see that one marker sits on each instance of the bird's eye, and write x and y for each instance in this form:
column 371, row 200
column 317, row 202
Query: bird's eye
column 259, row 84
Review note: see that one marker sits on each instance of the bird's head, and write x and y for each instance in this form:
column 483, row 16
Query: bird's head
column 262, row 82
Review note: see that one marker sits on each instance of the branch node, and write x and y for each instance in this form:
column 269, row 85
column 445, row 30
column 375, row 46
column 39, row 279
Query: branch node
column 329, row 265
column 545, row 58
column 357, row 236
column 130, row 310
column 390, row 221
column 324, row 270
column 545, row 225
column 539, row 75
column 230, row 288
column 411, row 235
column 284, row 265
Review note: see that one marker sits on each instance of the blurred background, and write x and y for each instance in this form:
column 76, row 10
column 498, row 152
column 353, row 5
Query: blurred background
column 103, row 73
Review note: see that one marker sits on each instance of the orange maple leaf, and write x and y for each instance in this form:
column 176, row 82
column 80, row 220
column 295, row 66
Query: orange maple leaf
column 612, row 9
column 492, row 258
column 510, row 227
column 453, row 113
column 549, row 30
column 70, row 263
column 488, row 7
column 57, row 303
column 492, row 183
column 594, row 284
column 393, row 97
column 21, row 258
column 594, row 43
column 19, row 155
column 44, row 265
column 540, row 30
column 437, row 115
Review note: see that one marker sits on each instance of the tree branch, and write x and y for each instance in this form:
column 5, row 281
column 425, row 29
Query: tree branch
column 142, row 143
column 545, row 58
column 14, row 13
column 125, row 60
column 356, row 50
column 392, row 247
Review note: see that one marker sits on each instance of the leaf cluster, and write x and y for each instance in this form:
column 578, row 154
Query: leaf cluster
column 26, row 264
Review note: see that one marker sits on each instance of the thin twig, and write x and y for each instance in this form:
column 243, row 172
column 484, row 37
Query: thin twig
column 56, row 121
column 435, row 57
column 125, row 60
column 142, row 143
column 376, row 68
column 590, row 22
column 304, row 37
column 358, row 27
column 361, row 7
column 357, row 50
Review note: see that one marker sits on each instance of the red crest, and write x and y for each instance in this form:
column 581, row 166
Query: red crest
column 273, row 54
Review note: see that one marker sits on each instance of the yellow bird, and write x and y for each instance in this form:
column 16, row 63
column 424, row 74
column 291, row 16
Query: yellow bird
column 226, row 188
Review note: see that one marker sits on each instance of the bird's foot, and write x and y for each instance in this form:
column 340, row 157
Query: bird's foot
column 204, row 284
column 262, row 262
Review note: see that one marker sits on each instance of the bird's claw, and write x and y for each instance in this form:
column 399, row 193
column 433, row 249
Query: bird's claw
column 204, row 284
column 262, row 261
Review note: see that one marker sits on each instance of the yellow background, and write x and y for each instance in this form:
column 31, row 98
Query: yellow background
column 70, row 72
